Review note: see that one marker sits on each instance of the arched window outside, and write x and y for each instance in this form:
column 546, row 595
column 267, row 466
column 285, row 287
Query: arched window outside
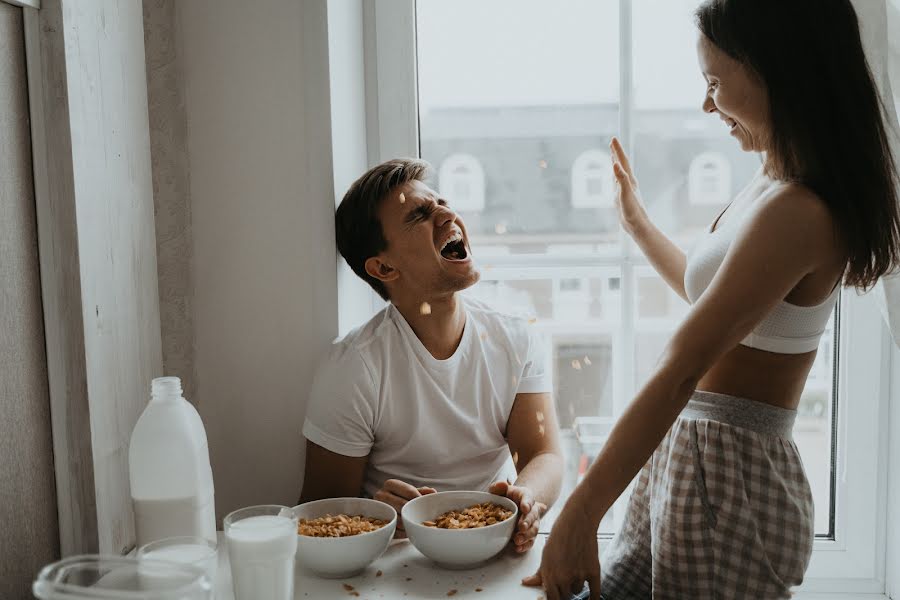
column 461, row 182
column 592, row 180
column 709, row 179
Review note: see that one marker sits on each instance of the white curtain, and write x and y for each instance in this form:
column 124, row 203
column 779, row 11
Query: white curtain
column 873, row 20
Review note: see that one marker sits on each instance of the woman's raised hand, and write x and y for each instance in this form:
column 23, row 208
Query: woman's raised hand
column 628, row 200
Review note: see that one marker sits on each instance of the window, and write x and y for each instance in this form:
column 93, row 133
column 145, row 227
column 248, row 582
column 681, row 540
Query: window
column 533, row 104
column 592, row 180
column 462, row 178
column 709, row 179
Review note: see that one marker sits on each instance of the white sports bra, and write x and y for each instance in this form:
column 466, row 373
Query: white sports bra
column 788, row 329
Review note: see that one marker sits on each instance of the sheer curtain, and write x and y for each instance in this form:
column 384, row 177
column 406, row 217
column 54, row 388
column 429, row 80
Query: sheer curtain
column 873, row 20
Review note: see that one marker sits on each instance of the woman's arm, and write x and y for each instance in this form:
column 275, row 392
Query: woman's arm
column 667, row 258
column 786, row 237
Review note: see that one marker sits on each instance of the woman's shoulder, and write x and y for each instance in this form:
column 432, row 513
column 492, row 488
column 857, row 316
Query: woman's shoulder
column 795, row 205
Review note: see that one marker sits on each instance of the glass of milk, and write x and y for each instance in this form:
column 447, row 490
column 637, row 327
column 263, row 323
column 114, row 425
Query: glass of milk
column 184, row 550
column 262, row 541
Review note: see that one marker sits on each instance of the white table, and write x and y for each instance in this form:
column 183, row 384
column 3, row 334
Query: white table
column 406, row 573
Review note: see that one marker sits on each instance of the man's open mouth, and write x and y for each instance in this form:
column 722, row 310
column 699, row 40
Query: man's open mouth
column 454, row 248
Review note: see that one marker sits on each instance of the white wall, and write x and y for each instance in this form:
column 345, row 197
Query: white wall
column 893, row 530
column 256, row 97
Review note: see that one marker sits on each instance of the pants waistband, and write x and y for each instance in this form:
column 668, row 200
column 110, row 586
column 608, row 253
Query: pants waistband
column 740, row 412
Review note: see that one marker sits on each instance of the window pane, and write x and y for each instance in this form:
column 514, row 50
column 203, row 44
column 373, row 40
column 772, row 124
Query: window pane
column 577, row 312
column 688, row 165
column 530, row 92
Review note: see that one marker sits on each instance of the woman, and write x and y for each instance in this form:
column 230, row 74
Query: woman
column 722, row 507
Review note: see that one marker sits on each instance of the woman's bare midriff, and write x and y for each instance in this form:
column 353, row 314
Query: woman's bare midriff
column 776, row 379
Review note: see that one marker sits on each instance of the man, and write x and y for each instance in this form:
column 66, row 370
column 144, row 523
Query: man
column 436, row 391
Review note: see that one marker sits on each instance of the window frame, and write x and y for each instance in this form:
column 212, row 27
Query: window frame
column 851, row 562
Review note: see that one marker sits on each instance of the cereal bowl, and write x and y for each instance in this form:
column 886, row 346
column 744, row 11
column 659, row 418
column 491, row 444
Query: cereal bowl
column 336, row 557
column 457, row 548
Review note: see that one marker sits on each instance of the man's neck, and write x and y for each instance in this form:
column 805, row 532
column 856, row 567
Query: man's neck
column 437, row 322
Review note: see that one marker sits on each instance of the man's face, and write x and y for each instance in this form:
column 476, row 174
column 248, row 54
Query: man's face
column 428, row 247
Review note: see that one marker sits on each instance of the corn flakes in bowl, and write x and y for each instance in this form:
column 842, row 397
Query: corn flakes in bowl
column 340, row 537
column 460, row 530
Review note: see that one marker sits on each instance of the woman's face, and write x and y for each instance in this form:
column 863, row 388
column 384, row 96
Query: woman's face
column 737, row 94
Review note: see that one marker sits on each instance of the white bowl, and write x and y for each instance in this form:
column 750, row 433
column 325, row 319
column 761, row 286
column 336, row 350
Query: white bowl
column 333, row 558
column 457, row 548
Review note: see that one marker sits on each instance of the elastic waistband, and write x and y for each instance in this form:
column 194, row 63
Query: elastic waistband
column 740, row 412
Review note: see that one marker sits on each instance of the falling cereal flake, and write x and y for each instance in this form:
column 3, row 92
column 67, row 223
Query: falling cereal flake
column 532, row 320
column 516, row 458
column 541, row 429
column 571, row 409
column 484, row 336
column 500, row 228
column 576, row 364
column 543, row 164
column 587, row 361
column 379, row 573
column 402, row 197
column 515, row 381
column 540, row 417
column 425, row 309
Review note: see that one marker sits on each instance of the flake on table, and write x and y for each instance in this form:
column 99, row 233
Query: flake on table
column 516, row 458
column 541, row 429
column 542, row 164
column 409, row 578
column 500, row 228
column 425, row 309
column 402, row 197
column 478, row 589
column 587, row 361
column 404, row 566
column 452, row 593
column 576, row 364
column 379, row 573
column 348, row 587
column 540, row 417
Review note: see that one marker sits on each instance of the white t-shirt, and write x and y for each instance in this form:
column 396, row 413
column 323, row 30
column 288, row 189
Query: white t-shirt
column 428, row 422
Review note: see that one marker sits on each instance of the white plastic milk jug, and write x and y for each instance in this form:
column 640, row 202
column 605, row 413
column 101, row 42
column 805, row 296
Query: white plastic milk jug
column 168, row 460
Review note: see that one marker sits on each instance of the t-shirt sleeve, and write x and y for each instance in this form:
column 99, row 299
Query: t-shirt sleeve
column 340, row 416
column 536, row 378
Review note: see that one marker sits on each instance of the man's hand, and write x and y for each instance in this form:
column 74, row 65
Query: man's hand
column 530, row 513
column 397, row 493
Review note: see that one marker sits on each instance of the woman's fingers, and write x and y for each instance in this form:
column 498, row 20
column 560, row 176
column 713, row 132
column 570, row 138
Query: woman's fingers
column 620, row 157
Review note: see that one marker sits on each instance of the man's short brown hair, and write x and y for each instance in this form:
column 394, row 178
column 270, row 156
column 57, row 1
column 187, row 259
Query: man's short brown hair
column 356, row 223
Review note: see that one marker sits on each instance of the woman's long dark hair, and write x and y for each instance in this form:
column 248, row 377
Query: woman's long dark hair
column 828, row 128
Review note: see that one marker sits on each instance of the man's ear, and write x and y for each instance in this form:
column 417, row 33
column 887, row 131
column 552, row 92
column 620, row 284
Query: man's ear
column 376, row 267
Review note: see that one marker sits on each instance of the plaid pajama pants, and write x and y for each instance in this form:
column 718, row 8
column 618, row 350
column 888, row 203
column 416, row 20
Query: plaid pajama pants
column 721, row 510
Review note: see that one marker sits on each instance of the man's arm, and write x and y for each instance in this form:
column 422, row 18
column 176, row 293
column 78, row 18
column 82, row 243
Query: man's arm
column 533, row 436
column 331, row 475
